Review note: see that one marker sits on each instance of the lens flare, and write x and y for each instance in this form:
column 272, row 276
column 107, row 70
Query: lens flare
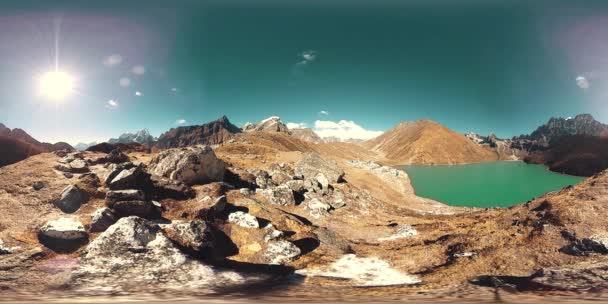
column 56, row 85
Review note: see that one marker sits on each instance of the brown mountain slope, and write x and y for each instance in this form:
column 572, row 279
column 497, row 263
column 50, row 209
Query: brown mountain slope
column 427, row 142
column 582, row 155
column 215, row 132
column 17, row 145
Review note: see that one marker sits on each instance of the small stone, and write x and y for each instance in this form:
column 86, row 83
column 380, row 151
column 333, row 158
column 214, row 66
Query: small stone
column 243, row 219
column 195, row 235
column 38, row 185
column 68, row 174
column 245, row 191
column 337, row 203
column 271, row 233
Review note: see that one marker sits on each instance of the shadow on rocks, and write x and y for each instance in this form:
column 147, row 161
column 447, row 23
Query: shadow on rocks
column 62, row 246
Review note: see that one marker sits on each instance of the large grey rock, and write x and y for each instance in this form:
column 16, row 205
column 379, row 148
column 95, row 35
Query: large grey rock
column 132, row 178
column 63, row 228
column 191, row 165
column 63, row 234
column 134, row 254
column 71, row 198
column 312, row 164
column 101, row 219
column 280, row 195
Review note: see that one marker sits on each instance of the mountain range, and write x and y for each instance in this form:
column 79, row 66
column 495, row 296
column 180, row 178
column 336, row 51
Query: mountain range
column 568, row 145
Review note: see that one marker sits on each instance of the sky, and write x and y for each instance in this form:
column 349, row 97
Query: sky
column 344, row 68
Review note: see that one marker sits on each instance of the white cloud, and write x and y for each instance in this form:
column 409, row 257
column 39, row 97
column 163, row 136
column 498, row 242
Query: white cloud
column 582, row 82
column 112, row 60
column 138, row 93
column 309, row 55
column 306, row 58
column 112, row 104
column 138, row 70
column 124, row 82
column 296, row 125
column 323, row 112
column 180, row 121
column 343, row 129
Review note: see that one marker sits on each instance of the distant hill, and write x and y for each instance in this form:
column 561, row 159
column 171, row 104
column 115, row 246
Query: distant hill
column 215, row 132
column 427, row 142
column 270, row 124
column 16, row 145
column 141, row 137
column 83, row 146
column 582, row 124
column 306, row 134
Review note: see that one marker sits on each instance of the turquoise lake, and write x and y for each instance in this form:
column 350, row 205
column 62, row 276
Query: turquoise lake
column 491, row 184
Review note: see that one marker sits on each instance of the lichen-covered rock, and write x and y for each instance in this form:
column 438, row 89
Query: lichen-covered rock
column 72, row 197
column 243, row 219
column 312, row 164
column 195, row 235
column 317, row 208
column 279, row 195
column 135, row 254
column 281, row 252
column 101, row 219
column 191, row 165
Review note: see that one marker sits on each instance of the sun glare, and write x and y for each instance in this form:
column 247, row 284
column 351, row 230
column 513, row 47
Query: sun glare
column 56, row 85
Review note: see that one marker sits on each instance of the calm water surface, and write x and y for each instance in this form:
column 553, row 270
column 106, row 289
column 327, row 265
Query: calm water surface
column 492, row 184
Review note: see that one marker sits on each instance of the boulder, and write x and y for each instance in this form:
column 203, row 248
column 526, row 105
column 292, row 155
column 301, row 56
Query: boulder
column 71, row 198
column 262, row 179
column 115, row 169
column 280, row 195
column 63, row 234
column 279, row 178
column 191, row 165
column 295, row 185
column 281, row 252
column 133, row 178
column 243, row 219
column 245, row 191
column 312, row 164
column 113, row 196
column 75, row 166
column 134, row 255
column 101, row 219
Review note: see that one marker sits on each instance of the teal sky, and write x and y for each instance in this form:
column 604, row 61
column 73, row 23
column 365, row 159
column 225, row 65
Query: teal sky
column 483, row 66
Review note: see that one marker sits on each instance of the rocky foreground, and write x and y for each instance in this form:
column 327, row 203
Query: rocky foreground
column 266, row 208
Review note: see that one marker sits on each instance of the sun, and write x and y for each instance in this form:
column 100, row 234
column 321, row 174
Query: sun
column 56, row 85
